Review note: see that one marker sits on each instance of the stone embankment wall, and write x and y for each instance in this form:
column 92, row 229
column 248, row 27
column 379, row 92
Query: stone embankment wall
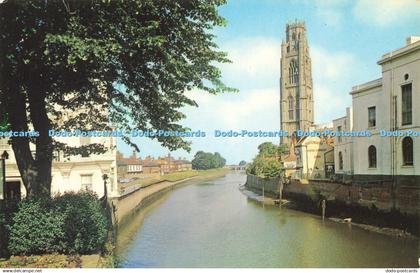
column 271, row 186
column 124, row 206
column 384, row 196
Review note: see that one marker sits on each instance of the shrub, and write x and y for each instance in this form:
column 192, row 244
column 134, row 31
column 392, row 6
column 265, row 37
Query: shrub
column 85, row 225
column 7, row 208
column 71, row 223
column 36, row 228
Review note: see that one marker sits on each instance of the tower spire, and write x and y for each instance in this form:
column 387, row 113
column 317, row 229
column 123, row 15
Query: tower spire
column 296, row 94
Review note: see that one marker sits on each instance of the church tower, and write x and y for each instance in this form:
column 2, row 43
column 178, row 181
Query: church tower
column 296, row 95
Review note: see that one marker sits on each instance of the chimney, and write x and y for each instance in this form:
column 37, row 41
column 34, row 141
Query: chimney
column 412, row 39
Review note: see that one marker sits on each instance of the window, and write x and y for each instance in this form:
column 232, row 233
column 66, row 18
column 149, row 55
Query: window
column 293, row 72
column 372, row 116
column 56, row 155
column 291, row 107
column 86, row 182
column 372, row 156
column 84, row 141
column 339, row 129
column 406, row 99
column 340, row 161
column 407, row 151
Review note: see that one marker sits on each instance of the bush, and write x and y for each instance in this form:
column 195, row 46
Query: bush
column 265, row 167
column 71, row 223
column 7, row 208
column 37, row 228
column 85, row 225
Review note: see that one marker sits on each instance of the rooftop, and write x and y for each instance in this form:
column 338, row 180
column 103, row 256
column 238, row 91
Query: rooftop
column 366, row 86
column 413, row 44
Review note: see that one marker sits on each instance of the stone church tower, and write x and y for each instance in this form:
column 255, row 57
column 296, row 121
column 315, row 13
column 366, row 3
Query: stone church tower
column 296, row 95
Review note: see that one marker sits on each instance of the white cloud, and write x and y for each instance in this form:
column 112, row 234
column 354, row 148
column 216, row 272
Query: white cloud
column 255, row 61
column 386, row 12
column 332, row 74
column 249, row 109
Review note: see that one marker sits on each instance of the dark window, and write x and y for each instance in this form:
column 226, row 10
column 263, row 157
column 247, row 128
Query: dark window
column 407, row 151
column 372, row 156
column 340, row 161
column 406, row 104
column 372, row 116
column 85, row 141
column 339, row 129
column 293, row 72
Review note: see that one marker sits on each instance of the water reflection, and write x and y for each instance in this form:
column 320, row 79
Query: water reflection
column 212, row 224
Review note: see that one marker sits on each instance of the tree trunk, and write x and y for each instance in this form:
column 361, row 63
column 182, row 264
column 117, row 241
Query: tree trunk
column 35, row 172
column 43, row 143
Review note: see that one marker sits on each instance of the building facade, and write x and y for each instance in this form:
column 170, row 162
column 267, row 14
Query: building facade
column 391, row 105
column 69, row 173
column 343, row 147
column 296, row 94
column 314, row 159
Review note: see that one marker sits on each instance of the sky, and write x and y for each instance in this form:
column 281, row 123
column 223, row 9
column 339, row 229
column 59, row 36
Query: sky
column 346, row 39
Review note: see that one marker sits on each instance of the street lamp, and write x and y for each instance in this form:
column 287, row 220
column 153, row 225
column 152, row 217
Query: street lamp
column 3, row 158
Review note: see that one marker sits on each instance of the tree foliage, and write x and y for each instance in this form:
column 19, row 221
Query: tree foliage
column 128, row 62
column 74, row 223
column 205, row 161
column 267, row 163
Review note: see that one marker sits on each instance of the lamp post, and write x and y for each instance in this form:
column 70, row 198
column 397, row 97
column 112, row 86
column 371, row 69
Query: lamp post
column 3, row 158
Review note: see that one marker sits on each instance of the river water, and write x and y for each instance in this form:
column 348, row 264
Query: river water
column 213, row 224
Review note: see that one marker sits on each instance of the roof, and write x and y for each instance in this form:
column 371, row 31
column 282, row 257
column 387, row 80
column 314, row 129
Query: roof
column 366, row 86
column 182, row 161
column 412, row 47
column 151, row 164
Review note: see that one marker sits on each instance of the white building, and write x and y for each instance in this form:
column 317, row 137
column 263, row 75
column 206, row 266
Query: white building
column 69, row 173
column 314, row 159
column 390, row 103
column 343, row 147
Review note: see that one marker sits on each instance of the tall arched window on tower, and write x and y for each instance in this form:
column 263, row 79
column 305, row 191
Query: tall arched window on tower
column 372, row 156
column 407, row 151
column 293, row 72
column 291, row 107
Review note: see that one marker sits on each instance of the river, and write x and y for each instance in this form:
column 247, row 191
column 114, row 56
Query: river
column 213, row 224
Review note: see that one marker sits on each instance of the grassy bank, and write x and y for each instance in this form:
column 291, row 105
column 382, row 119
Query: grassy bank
column 172, row 177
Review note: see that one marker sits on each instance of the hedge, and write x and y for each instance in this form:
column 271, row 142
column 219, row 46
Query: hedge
column 74, row 223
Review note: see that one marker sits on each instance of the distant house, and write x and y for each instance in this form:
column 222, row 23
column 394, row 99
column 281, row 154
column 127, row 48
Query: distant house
column 183, row 165
column 151, row 168
column 133, row 165
column 314, row 158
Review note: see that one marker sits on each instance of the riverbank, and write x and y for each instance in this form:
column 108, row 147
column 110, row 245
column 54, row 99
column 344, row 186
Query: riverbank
column 124, row 206
column 307, row 206
column 143, row 196
column 212, row 224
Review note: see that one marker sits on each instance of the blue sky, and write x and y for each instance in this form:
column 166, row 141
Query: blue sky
column 346, row 39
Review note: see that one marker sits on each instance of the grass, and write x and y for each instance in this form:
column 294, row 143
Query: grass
column 176, row 176
column 42, row 261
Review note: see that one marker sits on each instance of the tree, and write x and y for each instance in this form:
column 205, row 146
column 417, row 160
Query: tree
column 205, row 161
column 128, row 62
column 242, row 163
column 267, row 163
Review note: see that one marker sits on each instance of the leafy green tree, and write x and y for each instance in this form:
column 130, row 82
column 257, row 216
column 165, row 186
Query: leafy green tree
column 265, row 167
column 205, row 161
column 267, row 163
column 242, row 163
column 128, row 61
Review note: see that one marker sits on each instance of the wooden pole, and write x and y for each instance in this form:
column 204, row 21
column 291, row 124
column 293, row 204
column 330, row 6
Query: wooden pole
column 324, row 206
